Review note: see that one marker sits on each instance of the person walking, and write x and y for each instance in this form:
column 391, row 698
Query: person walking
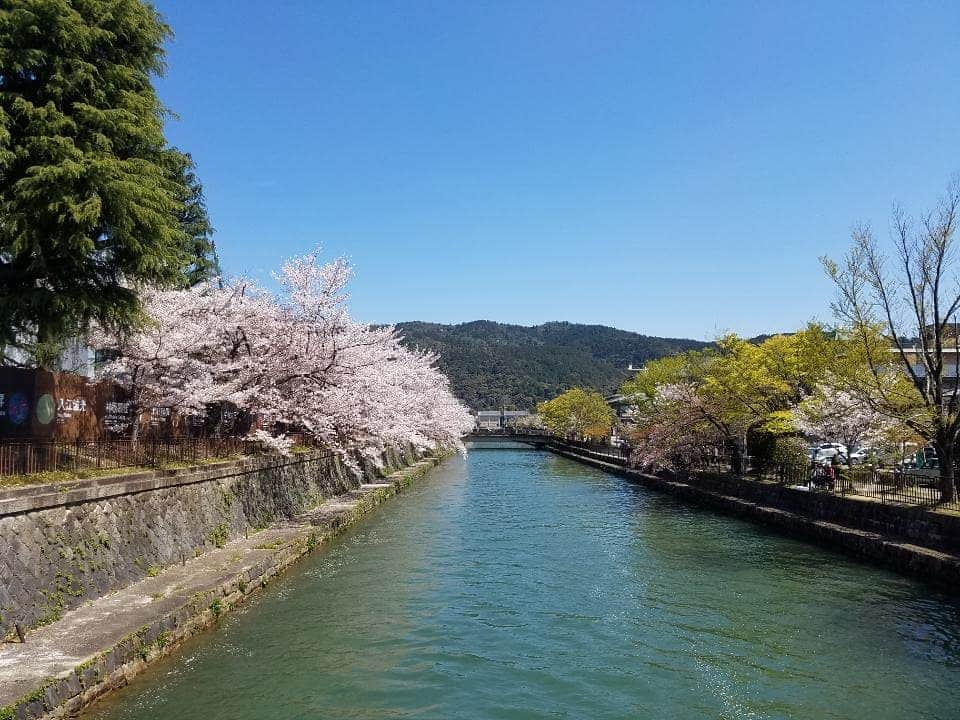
column 834, row 470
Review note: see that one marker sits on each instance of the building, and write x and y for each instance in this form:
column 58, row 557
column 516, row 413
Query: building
column 951, row 365
column 623, row 406
column 77, row 357
column 489, row 420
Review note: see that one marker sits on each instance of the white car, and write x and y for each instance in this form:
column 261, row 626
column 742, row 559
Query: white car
column 825, row 451
column 858, row 456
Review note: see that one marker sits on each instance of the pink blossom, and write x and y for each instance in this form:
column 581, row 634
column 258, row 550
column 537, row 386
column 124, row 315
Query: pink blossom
column 292, row 358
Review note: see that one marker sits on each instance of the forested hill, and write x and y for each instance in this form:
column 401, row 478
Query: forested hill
column 492, row 365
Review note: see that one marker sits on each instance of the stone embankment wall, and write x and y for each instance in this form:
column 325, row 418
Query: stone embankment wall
column 61, row 546
column 915, row 540
column 918, row 524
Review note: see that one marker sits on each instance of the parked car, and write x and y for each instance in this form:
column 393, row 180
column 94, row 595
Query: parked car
column 826, row 451
column 860, row 455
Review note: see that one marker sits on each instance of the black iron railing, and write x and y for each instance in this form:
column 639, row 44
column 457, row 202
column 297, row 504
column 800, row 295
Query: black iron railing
column 911, row 487
column 27, row 457
column 902, row 486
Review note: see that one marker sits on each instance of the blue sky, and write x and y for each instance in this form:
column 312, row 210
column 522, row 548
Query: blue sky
column 670, row 168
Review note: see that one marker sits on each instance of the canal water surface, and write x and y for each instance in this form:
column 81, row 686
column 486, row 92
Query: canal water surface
column 517, row 584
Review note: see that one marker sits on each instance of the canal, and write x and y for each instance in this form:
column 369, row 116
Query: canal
column 517, row 584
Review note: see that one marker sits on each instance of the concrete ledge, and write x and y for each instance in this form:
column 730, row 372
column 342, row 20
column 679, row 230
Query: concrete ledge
column 42, row 497
column 101, row 646
column 934, row 565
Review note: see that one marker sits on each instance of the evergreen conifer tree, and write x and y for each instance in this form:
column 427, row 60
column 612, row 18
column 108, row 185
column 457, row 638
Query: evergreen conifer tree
column 93, row 200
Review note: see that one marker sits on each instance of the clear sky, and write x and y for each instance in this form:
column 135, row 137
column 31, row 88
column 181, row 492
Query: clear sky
column 671, row 168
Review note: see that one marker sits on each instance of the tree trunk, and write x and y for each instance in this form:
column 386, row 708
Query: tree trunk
column 945, row 459
column 43, row 354
column 736, row 458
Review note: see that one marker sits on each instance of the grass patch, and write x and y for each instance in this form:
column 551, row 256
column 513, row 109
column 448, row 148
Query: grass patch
column 183, row 464
column 52, row 614
column 218, row 536
column 58, row 477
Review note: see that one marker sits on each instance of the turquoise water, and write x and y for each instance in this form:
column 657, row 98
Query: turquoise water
column 516, row 584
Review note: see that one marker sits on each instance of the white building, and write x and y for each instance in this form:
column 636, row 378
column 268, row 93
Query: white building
column 499, row 419
column 77, row 357
column 488, row 420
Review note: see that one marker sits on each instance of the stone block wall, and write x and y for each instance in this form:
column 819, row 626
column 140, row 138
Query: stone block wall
column 913, row 540
column 924, row 526
column 62, row 546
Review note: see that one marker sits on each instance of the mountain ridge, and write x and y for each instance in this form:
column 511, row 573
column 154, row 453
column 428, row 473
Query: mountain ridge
column 493, row 365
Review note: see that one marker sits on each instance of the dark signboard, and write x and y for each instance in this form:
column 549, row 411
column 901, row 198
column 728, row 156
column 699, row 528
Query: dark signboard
column 41, row 404
column 36, row 404
column 16, row 402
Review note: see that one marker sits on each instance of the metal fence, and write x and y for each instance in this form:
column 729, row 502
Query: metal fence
column 25, row 457
column 902, row 486
column 906, row 487
column 909, row 487
column 617, row 452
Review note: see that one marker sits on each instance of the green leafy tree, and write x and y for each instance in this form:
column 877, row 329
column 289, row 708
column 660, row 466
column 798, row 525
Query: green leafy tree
column 735, row 390
column 577, row 412
column 93, row 200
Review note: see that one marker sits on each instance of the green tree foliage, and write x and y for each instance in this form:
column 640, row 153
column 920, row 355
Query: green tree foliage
column 492, row 365
column 769, row 451
column 93, row 200
column 577, row 412
column 732, row 391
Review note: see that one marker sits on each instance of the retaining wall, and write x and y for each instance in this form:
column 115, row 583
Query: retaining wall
column 61, row 546
column 914, row 540
column 924, row 526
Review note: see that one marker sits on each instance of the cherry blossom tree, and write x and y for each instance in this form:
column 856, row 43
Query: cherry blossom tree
column 676, row 429
column 833, row 412
column 294, row 359
column 167, row 362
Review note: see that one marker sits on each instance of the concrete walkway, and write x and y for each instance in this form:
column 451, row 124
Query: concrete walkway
column 86, row 633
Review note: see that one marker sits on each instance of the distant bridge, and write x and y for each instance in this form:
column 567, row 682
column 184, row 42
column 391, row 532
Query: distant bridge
column 507, row 440
column 512, row 440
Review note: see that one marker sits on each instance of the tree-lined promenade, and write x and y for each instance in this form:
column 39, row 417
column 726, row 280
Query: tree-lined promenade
column 885, row 375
